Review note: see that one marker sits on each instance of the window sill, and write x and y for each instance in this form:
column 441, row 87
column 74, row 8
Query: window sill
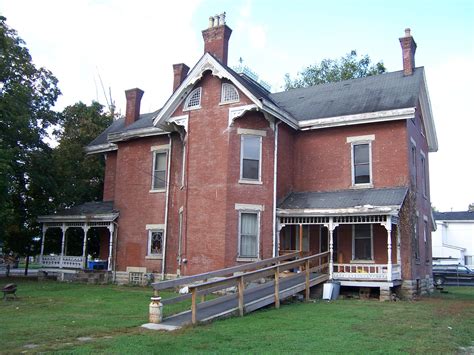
column 228, row 102
column 362, row 186
column 250, row 182
column 154, row 257
column 192, row 108
column 362, row 261
column 244, row 259
column 157, row 191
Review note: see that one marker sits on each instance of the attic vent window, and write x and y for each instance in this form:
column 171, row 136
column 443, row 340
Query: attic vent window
column 229, row 93
column 193, row 100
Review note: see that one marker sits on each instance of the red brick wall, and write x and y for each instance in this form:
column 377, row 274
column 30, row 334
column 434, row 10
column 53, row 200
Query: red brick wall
column 137, row 205
column 286, row 143
column 109, row 176
column 323, row 157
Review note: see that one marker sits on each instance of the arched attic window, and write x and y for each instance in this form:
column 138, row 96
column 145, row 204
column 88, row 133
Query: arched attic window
column 193, row 101
column 229, row 93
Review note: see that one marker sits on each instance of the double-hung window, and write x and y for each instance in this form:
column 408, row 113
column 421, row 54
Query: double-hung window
column 362, row 245
column 159, row 170
column 250, row 158
column 361, row 160
column 248, row 235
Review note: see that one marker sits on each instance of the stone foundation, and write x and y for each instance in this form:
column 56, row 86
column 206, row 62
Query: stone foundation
column 411, row 289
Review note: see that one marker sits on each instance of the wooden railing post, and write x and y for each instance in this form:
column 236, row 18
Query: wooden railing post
column 203, row 297
column 193, row 306
column 277, row 287
column 307, row 280
column 241, row 296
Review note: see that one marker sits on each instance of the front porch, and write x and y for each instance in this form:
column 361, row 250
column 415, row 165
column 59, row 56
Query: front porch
column 361, row 235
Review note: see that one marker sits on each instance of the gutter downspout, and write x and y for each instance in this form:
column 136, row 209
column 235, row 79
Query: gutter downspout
column 165, row 234
column 275, row 165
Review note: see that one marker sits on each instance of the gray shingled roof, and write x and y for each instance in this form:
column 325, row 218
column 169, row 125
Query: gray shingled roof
column 345, row 198
column 89, row 208
column 145, row 121
column 370, row 94
column 454, row 216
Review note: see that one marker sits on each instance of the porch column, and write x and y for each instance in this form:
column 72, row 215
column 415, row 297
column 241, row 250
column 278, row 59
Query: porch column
column 85, row 228
column 388, row 227
column 44, row 229
column 63, row 229
column 331, row 226
column 301, row 239
column 398, row 245
column 111, row 240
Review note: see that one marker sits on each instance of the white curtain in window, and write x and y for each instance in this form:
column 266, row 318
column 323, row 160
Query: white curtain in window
column 248, row 235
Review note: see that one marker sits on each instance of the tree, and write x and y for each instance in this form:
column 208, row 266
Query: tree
column 79, row 178
column 333, row 70
column 27, row 94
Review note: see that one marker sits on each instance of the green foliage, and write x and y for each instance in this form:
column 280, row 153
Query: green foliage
column 27, row 94
column 79, row 177
column 333, row 70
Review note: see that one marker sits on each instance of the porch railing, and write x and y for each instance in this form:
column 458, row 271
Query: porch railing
column 365, row 272
column 70, row 262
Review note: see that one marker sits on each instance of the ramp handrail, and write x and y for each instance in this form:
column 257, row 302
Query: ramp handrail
column 163, row 285
column 239, row 281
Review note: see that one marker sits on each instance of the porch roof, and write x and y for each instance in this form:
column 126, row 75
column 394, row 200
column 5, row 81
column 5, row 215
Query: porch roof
column 353, row 201
column 100, row 211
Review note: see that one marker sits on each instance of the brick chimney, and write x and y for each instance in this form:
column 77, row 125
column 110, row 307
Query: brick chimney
column 408, row 50
column 180, row 71
column 216, row 38
column 134, row 96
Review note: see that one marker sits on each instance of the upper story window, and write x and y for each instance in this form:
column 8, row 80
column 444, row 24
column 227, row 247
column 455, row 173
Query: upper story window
column 229, row 93
column 361, row 155
column 413, row 165
column 362, row 245
column 193, row 101
column 424, row 183
column 250, row 158
column 361, row 164
column 159, row 170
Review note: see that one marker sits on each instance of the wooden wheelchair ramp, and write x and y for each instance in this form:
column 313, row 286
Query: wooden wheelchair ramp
column 283, row 278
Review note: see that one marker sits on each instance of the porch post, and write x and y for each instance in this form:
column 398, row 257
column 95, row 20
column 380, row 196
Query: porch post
column 44, row 229
column 111, row 239
column 85, row 228
column 398, row 245
column 388, row 227
column 301, row 240
column 63, row 229
column 331, row 230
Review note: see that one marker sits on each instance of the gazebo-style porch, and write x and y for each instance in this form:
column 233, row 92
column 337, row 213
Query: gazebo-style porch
column 75, row 226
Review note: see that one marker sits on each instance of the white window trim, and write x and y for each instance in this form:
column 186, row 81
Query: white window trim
column 248, row 258
column 158, row 150
column 223, row 102
column 359, row 142
column 357, row 139
column 183, row 166
column 250, row 181
column 150, row 231
column 251, row 132
column 186, row 102
column 249, row 207
column 371, row 246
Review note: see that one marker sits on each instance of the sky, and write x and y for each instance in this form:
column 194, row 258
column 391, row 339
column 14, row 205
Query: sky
column 93, row 46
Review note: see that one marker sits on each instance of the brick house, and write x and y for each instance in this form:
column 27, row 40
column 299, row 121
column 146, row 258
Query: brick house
column 227, row 172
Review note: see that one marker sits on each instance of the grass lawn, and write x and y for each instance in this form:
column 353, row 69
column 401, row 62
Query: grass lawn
column 51, row 316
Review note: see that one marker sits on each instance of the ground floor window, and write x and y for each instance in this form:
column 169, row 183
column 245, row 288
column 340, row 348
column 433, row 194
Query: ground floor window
column 248, row 235
column 155, row 242
column 362, row 248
